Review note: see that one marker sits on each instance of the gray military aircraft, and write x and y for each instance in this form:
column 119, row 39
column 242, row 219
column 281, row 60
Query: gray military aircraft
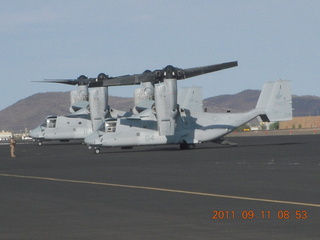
column 89, row 103
column 89, row 107
column 167, row 121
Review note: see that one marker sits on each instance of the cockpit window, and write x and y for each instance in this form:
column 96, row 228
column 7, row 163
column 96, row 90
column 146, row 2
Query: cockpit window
column 44, row 123
column 111, row 126
column 108, row 126
column 49, row 122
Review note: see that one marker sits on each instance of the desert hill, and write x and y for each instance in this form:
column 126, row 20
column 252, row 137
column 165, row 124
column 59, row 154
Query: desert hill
column 31, row 111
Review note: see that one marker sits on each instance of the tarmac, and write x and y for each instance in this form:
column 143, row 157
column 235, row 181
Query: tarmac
column 265, row 188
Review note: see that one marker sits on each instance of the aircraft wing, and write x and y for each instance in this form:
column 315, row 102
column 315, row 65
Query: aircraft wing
column 128, row 80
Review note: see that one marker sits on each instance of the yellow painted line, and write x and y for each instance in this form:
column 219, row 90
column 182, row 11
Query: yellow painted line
column 161, row 190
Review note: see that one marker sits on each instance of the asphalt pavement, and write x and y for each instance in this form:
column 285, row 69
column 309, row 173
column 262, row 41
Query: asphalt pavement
column 265, row 188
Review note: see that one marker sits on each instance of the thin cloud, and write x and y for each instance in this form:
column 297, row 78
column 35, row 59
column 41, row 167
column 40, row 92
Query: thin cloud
column 10, row 22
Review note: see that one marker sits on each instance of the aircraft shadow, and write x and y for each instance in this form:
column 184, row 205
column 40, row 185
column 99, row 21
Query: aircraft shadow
column 199, row 147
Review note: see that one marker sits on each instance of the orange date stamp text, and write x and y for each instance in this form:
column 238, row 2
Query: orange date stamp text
column 250, row 214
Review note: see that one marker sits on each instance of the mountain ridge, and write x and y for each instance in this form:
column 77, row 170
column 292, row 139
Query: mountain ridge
column 21, row 115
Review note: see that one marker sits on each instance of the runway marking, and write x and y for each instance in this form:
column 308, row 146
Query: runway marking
column 160, row 189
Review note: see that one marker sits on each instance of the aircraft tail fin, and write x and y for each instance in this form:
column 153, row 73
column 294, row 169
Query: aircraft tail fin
column 276, row 101
column 191, row 98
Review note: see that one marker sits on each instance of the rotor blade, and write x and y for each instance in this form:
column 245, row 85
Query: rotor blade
column 153, row 77
column 147, row 76
column 63, row 81
column 192, row 72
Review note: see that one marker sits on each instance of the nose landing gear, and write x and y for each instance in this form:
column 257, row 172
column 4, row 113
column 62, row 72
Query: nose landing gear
column 96, row 150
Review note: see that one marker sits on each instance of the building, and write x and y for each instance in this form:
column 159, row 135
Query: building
column 301, row 122
column 5, row 135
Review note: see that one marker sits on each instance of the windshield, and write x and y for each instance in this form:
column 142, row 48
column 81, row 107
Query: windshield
column 108, row 126
column 50, row 122
column 102, row 127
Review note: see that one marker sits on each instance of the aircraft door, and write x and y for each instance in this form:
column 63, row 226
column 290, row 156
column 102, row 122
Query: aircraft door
column 50, row 128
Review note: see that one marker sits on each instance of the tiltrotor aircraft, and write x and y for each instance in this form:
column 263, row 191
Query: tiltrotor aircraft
column 89, row 103
column 174, row 118
column 89, row 107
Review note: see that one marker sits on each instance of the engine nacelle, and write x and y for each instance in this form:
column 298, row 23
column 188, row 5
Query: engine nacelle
column 166, row 106
column 146, row 92
column 98, row 102
column 79, row 98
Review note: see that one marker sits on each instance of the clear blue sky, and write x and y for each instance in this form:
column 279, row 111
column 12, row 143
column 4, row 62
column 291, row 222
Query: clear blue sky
column 271, row 40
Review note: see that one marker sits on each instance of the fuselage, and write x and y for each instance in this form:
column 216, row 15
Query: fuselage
column 62, row 128
column 190, row 128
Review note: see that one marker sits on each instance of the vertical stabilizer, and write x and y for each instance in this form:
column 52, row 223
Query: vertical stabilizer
column 276, row 101
column 191, row 98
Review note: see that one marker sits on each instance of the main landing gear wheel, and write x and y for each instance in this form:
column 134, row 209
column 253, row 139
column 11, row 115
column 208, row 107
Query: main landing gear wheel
column 96, row 150
column 39, row 143
column 185, row 146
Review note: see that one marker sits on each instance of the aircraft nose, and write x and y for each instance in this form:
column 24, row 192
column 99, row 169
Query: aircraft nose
column 91, row 139
column 35, row 133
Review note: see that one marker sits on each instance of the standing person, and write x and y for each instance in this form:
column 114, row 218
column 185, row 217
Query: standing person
column 12, row 146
